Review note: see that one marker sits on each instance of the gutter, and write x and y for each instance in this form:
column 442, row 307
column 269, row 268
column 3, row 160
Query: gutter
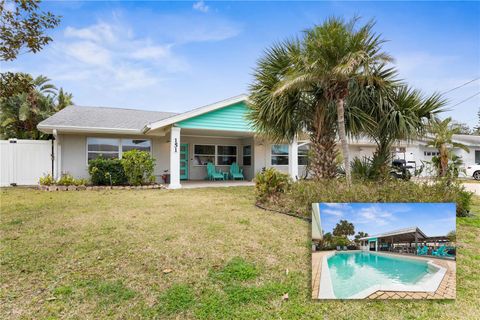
column 50, row 129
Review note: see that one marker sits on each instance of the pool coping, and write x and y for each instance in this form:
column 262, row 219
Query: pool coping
column 427, row 284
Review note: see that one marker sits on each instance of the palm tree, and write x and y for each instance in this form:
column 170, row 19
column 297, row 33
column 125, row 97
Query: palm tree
column 443, row 131
column 316, row 74
column 344, row 229
column 24, row 108
column 282, row 117
column 399, row 113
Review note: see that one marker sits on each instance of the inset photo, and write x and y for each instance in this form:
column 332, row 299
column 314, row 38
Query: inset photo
column 383, row 251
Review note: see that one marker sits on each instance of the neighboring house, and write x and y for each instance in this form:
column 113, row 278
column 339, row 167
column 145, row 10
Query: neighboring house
column 184, row 143
column 417, row 153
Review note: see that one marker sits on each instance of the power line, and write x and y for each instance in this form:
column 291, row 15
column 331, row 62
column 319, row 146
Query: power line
column 462, row 85
column 465, row 100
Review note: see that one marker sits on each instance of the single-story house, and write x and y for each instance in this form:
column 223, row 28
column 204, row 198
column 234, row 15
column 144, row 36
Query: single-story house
column 404, row 240
column 183, row 143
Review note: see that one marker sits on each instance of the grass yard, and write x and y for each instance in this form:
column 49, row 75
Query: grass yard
column 102, row 254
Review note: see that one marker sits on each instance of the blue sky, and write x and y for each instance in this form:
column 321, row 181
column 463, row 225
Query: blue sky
column 174, row 56
column 374, row 218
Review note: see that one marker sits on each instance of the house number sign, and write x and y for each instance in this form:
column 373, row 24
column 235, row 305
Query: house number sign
column 175, row 145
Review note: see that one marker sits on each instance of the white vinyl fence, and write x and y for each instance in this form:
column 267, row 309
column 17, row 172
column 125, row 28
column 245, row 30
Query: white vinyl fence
column 23, row 162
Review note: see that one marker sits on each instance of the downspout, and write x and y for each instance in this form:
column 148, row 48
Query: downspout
column 56, row 158
column 52, row 156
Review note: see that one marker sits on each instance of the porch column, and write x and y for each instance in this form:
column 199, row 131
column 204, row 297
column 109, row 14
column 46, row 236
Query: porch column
column 416, row 243
column 376, row 245
column 293, row 159
column 174, row 158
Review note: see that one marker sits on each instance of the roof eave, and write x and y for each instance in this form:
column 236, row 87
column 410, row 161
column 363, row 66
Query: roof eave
column 77, row 129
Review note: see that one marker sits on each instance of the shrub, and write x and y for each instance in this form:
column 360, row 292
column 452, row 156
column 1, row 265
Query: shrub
column 66, row 180
column 138, row 167
column 464, row 202
column 270, row 183
column 302, row 194
column 46, row 180
column 104, row 172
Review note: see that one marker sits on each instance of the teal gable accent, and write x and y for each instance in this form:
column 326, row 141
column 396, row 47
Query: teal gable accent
column 229, row 118
column 372, row 240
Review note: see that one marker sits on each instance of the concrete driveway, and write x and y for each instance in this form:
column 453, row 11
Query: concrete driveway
column 473, row 187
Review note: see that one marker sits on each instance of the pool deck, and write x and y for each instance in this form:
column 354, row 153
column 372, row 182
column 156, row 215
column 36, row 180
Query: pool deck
column 446, row 290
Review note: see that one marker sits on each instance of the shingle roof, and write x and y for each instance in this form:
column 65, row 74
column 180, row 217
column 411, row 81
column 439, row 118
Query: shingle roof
column 101, row 117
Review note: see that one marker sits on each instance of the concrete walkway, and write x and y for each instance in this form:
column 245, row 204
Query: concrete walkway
column 215, row 184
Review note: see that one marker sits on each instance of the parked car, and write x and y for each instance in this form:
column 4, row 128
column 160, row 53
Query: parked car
column 473, row 171
column 401, row 169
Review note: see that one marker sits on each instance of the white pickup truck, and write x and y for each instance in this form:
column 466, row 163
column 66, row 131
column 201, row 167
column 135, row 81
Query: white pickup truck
column 473, row 171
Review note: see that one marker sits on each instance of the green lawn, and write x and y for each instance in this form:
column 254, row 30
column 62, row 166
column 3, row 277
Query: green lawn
column 101, row 254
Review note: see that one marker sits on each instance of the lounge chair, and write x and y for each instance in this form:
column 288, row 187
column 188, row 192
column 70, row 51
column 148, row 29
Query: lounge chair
column 439, row 252
column 338, row 248
column 212, row 173
column 421, row 251
column 445, row 253
column 345, row 248
column 236, row 172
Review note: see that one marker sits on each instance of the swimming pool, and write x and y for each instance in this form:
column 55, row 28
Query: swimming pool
column 356, row 275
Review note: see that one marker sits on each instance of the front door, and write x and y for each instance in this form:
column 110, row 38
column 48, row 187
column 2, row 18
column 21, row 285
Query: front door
column 183, row 161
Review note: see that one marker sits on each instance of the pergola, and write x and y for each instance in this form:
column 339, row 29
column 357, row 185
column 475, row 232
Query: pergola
column 387, row 241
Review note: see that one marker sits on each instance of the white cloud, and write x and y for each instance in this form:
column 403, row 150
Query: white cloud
column 336, row 213
column 200, row 6
column 100, row 33
column 89, row 53
column 109, row 62
column 374, row 215
column 151, row 52
column 337, row 205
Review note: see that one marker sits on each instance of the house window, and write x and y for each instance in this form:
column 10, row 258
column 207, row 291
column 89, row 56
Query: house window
column 203, row 154
column 136, row 144
column 477, row 156
column 247, row 155
column 113, row 148
column 279, row 154
column 226, row 155
column 303, row 154
column 106, row 148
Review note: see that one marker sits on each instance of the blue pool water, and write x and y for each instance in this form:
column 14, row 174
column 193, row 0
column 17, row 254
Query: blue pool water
column 352, row 273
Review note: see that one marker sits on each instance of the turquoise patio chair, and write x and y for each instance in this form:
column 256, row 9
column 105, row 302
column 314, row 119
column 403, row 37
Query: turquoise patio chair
column 446, row 254
column 421, row 251
column 236, row 172
column 212, row 173
column 439, row 252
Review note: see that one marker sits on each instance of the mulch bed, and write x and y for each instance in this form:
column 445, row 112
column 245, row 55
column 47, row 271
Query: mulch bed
column 97, row 188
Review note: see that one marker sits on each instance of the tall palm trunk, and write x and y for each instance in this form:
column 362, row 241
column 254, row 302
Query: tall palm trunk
column 323, row 156
column 443, row 159
column 382, row 157
column 343, row 138
column 323, row 145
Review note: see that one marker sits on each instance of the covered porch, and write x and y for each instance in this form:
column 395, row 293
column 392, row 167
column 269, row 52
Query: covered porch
column 405, row 241
column 191, row 149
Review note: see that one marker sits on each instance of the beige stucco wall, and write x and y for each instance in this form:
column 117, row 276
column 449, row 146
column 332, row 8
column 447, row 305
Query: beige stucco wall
column 74, row 153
